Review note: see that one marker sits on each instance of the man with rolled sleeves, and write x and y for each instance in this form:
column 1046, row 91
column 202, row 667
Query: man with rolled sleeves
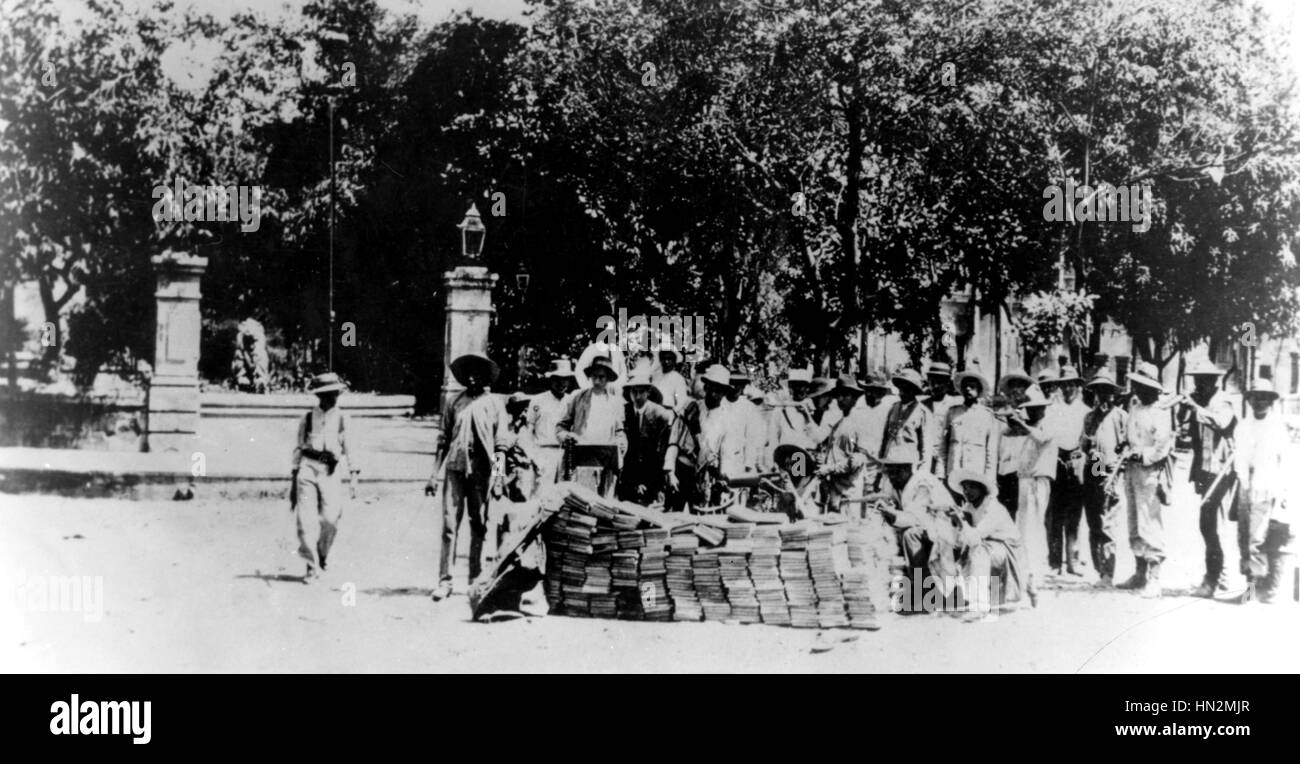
column 1065, row 510
column 1211, row 421
column 1148, row 478
column 1105, row 434
column 1037, row 469
column 466, row 456
column 316, row 488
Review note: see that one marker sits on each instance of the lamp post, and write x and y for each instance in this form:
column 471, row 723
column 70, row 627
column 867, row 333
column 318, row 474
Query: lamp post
column 469, row 310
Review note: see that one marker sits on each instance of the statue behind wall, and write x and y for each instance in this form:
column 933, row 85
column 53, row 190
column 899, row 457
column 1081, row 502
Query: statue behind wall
column 251, row 367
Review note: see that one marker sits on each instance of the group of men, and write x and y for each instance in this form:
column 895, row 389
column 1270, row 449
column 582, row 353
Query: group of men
column 990, row 482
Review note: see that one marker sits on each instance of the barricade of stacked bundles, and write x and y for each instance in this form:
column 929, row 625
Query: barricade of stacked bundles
column 612, row 559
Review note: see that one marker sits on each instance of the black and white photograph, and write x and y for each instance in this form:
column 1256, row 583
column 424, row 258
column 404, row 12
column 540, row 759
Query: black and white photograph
column 650, row 337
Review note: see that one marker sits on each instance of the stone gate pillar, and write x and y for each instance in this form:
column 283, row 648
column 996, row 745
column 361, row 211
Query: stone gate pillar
column 469, row 316
column 174, row 388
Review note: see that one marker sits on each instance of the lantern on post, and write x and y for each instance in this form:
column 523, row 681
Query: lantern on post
column 472, row 234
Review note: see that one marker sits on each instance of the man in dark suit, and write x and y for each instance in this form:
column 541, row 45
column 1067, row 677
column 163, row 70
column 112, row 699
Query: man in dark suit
column 648, row 426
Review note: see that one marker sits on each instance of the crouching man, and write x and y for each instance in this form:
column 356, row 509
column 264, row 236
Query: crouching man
column 985, row 544
column 316, row 492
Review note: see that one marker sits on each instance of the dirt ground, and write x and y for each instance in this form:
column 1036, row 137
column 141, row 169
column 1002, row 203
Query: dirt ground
column 212, row 586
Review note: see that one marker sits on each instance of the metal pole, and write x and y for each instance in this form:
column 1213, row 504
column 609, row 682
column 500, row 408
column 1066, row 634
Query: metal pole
column 329, row 338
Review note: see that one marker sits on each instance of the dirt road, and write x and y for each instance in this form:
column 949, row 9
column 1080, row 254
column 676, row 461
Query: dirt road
column 209, row 586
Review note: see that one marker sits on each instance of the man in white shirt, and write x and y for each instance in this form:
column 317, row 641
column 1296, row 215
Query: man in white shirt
column 1037, row 469
column 1265, row 505
column 595, row 417
column 1148, row 478
column 316, row 489
column 544, row 414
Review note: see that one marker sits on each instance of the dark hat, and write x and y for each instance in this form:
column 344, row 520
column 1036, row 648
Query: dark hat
column 328, row 382
column 485, row 367
column 517, row 402
column 602, row 362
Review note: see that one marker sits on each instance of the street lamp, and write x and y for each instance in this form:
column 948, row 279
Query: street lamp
column 472, row 234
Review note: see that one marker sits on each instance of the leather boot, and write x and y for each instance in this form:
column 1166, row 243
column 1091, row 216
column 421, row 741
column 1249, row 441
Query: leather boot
column 1211, row 584
column 1072, row 565
column 1151, row 589
column 1138, row 579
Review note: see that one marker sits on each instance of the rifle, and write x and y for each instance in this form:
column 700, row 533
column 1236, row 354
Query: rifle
column 1121, row 461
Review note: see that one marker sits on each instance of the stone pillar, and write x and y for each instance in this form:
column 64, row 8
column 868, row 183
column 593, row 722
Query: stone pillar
column 174, row 388
column 469, row 316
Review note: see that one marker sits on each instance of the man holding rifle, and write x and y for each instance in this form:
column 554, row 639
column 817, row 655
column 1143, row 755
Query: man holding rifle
column 1148, row 478
column 1212, row 421
column 1105, row 433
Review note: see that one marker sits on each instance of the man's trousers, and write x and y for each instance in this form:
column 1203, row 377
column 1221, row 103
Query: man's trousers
column 463, row 492
column 1009, row 492
column 1260, row 538
column 318, row 511
column 1145, row 496
column 1209, row 512
column 1064, row 511
column 1104, row 524
column 1035, row 492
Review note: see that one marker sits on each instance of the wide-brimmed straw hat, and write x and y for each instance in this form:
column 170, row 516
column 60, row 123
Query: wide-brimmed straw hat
column 1104, row 379
column 328, row 382
column 845, row 383
column 1015, row 375
column 1203, row 369
column 561, row 367
column 1147, row 375
column 641, row 378
column 1047, row 377
column 787, row 451
column 821, row 386
column 876, row 382
column 963, row 475
column 486, row 369
column 602, row 362
column 1069, row 374
column 1035, row 398
column 799, row 375
column 717, row 376
column 974, row 374
column 1262, row 388
column 908, row 377
column 938, row 369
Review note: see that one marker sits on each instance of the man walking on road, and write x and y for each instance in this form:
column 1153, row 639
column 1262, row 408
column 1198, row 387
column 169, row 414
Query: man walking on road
column 316, row 491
